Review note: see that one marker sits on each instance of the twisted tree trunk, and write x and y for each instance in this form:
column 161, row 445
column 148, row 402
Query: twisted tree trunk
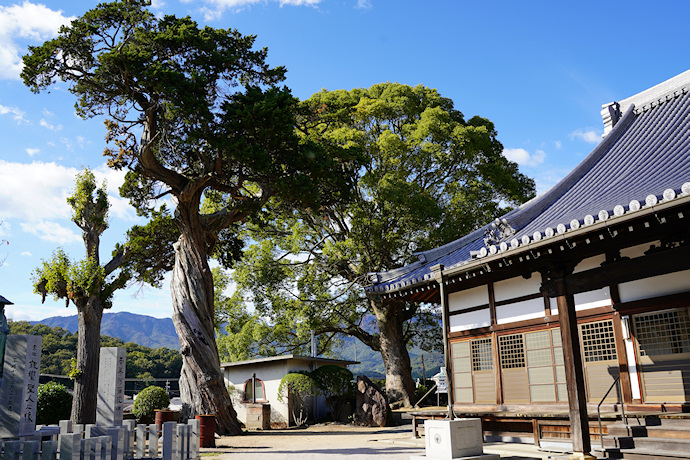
column 400, row 386
column 201, row 381
column 85, row 398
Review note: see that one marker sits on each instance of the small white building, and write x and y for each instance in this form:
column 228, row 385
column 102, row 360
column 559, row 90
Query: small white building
column 267, row 374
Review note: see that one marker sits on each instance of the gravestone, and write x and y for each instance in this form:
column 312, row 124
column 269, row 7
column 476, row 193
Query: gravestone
column 19, row 391
column 111, row 386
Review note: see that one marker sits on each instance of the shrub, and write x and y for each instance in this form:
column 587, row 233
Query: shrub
column 148, row 401
column 336, row 384
column 54, row 403
column 297, row 387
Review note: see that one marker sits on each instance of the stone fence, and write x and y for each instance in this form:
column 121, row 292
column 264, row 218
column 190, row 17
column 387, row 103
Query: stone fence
column 175, row 441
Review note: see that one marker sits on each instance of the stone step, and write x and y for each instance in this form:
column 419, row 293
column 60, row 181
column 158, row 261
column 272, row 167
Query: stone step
column 661, row 420
column 641, row 454
column 660, row 431
column 648, row 444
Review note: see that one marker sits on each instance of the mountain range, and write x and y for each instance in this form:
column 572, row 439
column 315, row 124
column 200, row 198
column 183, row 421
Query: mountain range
column 141, row 329
column 160, row 332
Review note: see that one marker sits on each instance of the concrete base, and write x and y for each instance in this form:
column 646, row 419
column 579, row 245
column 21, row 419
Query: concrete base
column 581, row 456
column 474, row 457
column 461, row 438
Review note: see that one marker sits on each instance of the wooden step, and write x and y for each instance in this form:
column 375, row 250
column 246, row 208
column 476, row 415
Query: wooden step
column 681, row 446
column 661, row 420
column 667, row 431
column 640, row 454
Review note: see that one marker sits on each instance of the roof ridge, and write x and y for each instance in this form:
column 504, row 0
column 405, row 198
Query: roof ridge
column 658, row 94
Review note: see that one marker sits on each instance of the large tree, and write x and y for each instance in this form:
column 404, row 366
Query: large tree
column 90, row 285
column 429, row 177
column 192, row 112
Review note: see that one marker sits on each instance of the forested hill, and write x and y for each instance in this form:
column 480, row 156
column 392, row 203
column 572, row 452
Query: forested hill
column 144, row 330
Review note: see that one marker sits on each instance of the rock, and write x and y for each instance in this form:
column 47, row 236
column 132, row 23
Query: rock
column 372, row 404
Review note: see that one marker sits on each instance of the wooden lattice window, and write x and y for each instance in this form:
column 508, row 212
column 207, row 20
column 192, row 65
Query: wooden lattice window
column 512, row 351
column 482, row 355
column 663, row 333
column 598, row 342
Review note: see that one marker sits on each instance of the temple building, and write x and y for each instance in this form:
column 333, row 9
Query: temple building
column 583, row 289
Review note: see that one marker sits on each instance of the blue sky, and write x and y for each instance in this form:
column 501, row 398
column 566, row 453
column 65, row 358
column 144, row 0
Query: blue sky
column 539, row 70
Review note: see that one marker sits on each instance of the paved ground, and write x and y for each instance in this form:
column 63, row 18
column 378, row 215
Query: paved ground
column 328, row 441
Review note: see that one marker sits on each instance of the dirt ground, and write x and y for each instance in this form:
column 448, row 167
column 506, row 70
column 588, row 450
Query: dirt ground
column 338, row 441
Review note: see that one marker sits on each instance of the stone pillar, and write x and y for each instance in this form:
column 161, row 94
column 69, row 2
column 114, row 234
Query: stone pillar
column 19, row 392
column 111, row 386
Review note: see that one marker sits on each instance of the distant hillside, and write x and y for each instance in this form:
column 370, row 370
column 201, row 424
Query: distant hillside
column 372, row 362
column 140, row 329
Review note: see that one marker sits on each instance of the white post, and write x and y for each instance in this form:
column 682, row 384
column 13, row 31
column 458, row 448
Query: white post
column 153, row 440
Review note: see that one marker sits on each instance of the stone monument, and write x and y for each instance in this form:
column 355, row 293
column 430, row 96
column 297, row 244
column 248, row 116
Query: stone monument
column 19, row 391
column 111, row 386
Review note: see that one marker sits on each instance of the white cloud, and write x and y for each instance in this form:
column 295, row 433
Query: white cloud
column 5, row 229
column 51, row 231
column 215, row 8
column 31, row 152
column 4, row 110
column 26, row 254
column 364, row 4
column 21, row 25
column 524, row 158
column 591, row 136
column 49, row 126
column 558, row 144
column 35, row 191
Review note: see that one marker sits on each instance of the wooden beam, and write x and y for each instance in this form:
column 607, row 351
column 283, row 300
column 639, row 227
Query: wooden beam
column 574, row 370
column 657, row 263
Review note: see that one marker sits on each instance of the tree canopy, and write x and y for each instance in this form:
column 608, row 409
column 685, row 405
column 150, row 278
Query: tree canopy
column 192, row 112
column 428, row 177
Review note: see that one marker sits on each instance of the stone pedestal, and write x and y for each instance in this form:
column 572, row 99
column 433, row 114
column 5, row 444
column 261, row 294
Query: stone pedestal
column 461, row 438
column 111, row 386
column 19, row 391
column 258, row 416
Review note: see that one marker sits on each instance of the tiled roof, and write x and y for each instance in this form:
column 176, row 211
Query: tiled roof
column 643, row 160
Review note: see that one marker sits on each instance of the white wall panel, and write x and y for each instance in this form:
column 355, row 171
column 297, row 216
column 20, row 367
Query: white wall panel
column 593, row 299
column 516, row 287
column 468, row 298
column 673, row 283
column 589, row 263
column 471, row 320
column 520, row 311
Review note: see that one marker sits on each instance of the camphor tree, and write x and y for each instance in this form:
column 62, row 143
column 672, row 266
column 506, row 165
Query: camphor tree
column 90, row 285
column 194, row 113
column 429, row 177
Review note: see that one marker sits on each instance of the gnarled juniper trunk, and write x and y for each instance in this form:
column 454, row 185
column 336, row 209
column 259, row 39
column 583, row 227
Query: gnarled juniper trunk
column 201, row 381
column 399, row 384
column 85, row 397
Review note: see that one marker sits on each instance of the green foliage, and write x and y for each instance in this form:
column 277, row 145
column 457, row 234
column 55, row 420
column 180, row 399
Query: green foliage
column 74, row 371
column 60, row 348
column 54, row 403
column 337, row 385
column 296, row 388
column 429, row 176
column 89, row 204
column 148, row 401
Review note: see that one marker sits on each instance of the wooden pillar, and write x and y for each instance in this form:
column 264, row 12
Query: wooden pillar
column 445, row 312
column 574, row 371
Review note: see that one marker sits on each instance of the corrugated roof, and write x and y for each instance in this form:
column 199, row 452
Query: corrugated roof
column 646, row 156
column 288, row 357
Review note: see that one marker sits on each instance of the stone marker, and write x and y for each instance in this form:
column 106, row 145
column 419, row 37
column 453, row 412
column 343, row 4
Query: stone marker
column 461, row 438
column 111, row 386
column 372, row 405
column 19, row 391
